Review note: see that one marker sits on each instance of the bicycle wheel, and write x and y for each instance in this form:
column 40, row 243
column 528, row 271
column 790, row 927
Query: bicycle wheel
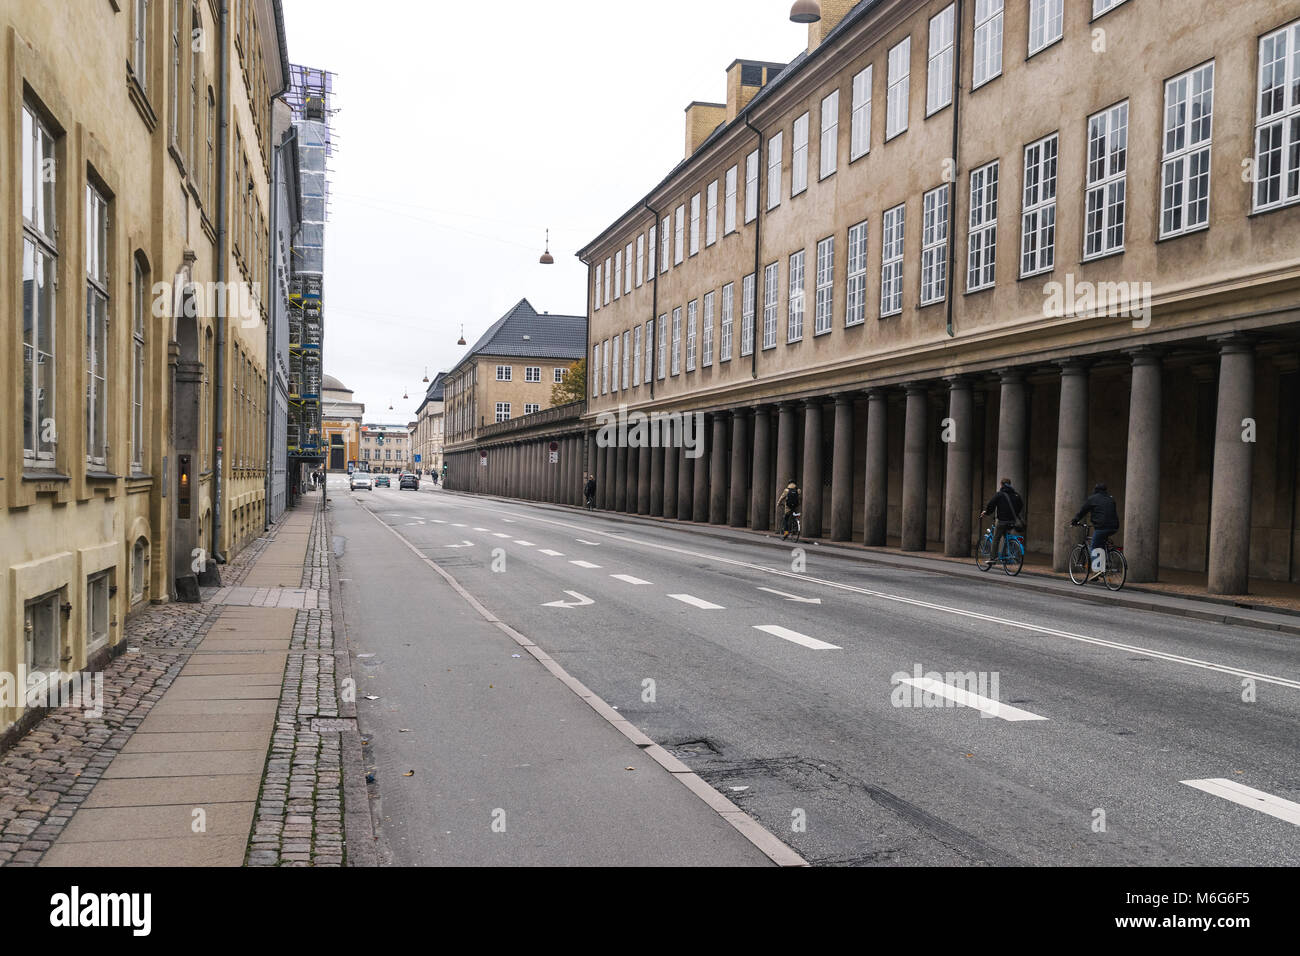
column 984, row 555
column 1080, row 566
column 1015, row 559
column 1116, row 570
column 796, row 528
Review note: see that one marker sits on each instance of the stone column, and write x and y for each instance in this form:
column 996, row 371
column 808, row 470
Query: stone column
column 786, row 462
column 718, row 470
column 1229, row 563
column 700, row 493
column 611, row 477
column 1071, row 459
column 643, row 480
column 876, row 501
column 915, row 445
column 1142, row 472
column 842, row 470
column 656, row 470
column 960, row 445
column 670, row 472
column 739, row 467
column 812, row 468
column 620, row 478
column 1013, row 433
column 760, row 511
column 633, row 471
column 598, row 467
column 685, row 483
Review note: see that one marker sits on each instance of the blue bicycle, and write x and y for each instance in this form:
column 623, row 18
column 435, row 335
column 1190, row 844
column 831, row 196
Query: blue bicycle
column 1012, row 557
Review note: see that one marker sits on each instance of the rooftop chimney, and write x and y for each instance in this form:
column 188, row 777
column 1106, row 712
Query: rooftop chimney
column 701, row 120
column 744, row 79
column 833, row 11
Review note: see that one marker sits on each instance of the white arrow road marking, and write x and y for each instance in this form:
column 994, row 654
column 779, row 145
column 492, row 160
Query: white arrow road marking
column 553, row 554
column 784, row 632
column 584, row 564
column 697, row 602
column 792, row 597
column 958, row 695
column 580, row 601
column 463, row 544
column 525, row 544
column 1249, row 797
column 594, row 544
column 628, row 579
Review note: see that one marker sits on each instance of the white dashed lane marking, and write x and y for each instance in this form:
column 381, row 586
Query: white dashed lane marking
column 584, row 564
column 628, row 579
column 525, row 544
column 553, row 554
column 794, row 636
column 959, row 695
column 1249, row 797
column 697, row 602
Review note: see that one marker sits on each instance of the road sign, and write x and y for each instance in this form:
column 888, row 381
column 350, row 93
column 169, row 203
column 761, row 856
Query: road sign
column 555, row 446
column 417, row 459
column 555, row 458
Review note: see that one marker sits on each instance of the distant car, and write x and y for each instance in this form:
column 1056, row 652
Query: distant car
column 409, row 480
column 381, row 481
column 361, row 480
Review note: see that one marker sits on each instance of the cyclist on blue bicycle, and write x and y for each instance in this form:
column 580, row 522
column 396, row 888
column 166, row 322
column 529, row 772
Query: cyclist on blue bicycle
column 1105, row 516
column 1009, row 508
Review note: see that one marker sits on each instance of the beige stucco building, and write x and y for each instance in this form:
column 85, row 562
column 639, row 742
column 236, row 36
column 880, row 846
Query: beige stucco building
column 340, row 425
column 428, row 431
column 132, row 437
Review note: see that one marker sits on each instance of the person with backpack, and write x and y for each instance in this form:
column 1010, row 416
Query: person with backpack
column 1009, row 510
column 787, row 505
column 1105, row 517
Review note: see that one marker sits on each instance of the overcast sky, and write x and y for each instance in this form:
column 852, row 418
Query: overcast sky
column 464, row 130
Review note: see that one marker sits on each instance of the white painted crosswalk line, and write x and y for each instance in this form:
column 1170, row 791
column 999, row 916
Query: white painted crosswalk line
column 628, row 579
column 553, row 554
column 959, row 695
column 584, row 564
column 524, row 544
column 697, row 602
column 786, row 634
column 1249, row 797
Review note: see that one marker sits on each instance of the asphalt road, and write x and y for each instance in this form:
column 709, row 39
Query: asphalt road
column 780, row 683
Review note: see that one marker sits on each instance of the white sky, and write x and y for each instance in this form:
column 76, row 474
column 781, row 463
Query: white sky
column 465, row 130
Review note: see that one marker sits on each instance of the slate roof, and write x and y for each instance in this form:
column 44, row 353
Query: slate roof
column 549, row 336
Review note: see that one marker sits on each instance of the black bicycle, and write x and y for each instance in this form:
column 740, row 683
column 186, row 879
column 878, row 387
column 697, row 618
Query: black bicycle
column 793, row 527
column 1113, row 574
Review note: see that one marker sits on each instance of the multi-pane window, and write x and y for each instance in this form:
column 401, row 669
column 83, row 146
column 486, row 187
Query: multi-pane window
column 856, row 306
column 663, row 346
column 627, row 358
column 1046, row 19
column 774, row 174
column 210, row 181
column 825, row 286
column 666, row 232
column 795, row 310
column 677, row 341
column 729, row 208
column 640, row 260
column 636, row 355
column 40, row 253
column 627, row 269
column 830, row 146
column 42, row 630
column 1107, row 168
column 695, row 224
column 1185, row 173
column 609, row 277
column 891, row 261
column 1038, row 216
column 532, row 373
column 504, row 372
column 1101, row 6
column 531, row 408
column 771, row 278
column 174, row 87
column 711, row 215
column 140, row 61
column 618, row 274
column 706, row 335
column 751, row 186
column 982, row 242
column 988, row 41
column 938, row 76
column 679, row 242
column 692, row 327
column 860, row 127
column 503, row 411
column 649, row 351
column 934, row 245
column 728, row 321
column 1277, row 120
column 599, row 274
column 747, row 307
column 650, row 253
column 97, row 357
column 900, row 58
column 799, row 157
column 560, row 375
column 139, row 312
column 97, row 611
column 604, row 371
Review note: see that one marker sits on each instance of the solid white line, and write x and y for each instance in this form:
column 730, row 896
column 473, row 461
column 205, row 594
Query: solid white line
column 553, row 554
column 994, row 708
column 786, row 634
column 525, row 544
column 584, row 564
column 1249, row 797
column 697, row 602
column 628, row 579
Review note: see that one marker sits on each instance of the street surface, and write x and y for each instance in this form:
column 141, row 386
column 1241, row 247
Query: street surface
column 1088, row 735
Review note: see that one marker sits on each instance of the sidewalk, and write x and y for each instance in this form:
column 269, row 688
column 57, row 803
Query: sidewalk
column 209, row 731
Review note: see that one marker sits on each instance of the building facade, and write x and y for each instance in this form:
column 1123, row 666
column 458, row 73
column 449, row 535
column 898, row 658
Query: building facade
column 134, row 240
column 386, row 449
column 340, row 425
column 1054, row 242
column 428, row 433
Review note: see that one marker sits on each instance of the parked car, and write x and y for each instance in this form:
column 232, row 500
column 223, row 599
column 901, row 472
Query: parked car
column 409, row 480
column 360, row 480
column 381, row 481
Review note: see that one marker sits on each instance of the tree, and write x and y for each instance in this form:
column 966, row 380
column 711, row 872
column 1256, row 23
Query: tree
column 573, row 387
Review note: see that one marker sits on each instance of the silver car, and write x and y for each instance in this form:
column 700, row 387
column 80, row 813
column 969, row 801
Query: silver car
column 362, row 480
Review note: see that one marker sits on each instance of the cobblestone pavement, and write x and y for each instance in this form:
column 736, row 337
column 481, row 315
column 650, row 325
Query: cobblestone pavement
column 299, row 818
column 47, row 774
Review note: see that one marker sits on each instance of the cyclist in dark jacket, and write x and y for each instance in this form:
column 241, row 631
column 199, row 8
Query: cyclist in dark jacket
column 1008, row 507
column 1105, row 515
column 589, row 489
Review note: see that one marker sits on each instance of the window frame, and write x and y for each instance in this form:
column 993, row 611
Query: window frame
column 711, row 214
column 993, row 22
column 706, row 329
column 1040, row 208
column 830, row 135
column 1102, row 185
column 1281, row 121
column 692, row 332
column 726, row 331
column 40, row 236
column 898, row 90
column 892, row 248
column 676, row 361
column 98, row 329
column 935, row 206
column 751, row 187
column 1042, row 8
column 730, row 201
column 509, row 371
column 860, row 121
column 771, row 290
column 855, row 275
column 799, row 156
column 679, row 235
column 982, row 226
column 775, row 180
column 945, row 19
column 748, row 313
column 824, row 287
column 695, row 225
column 1187, row 152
